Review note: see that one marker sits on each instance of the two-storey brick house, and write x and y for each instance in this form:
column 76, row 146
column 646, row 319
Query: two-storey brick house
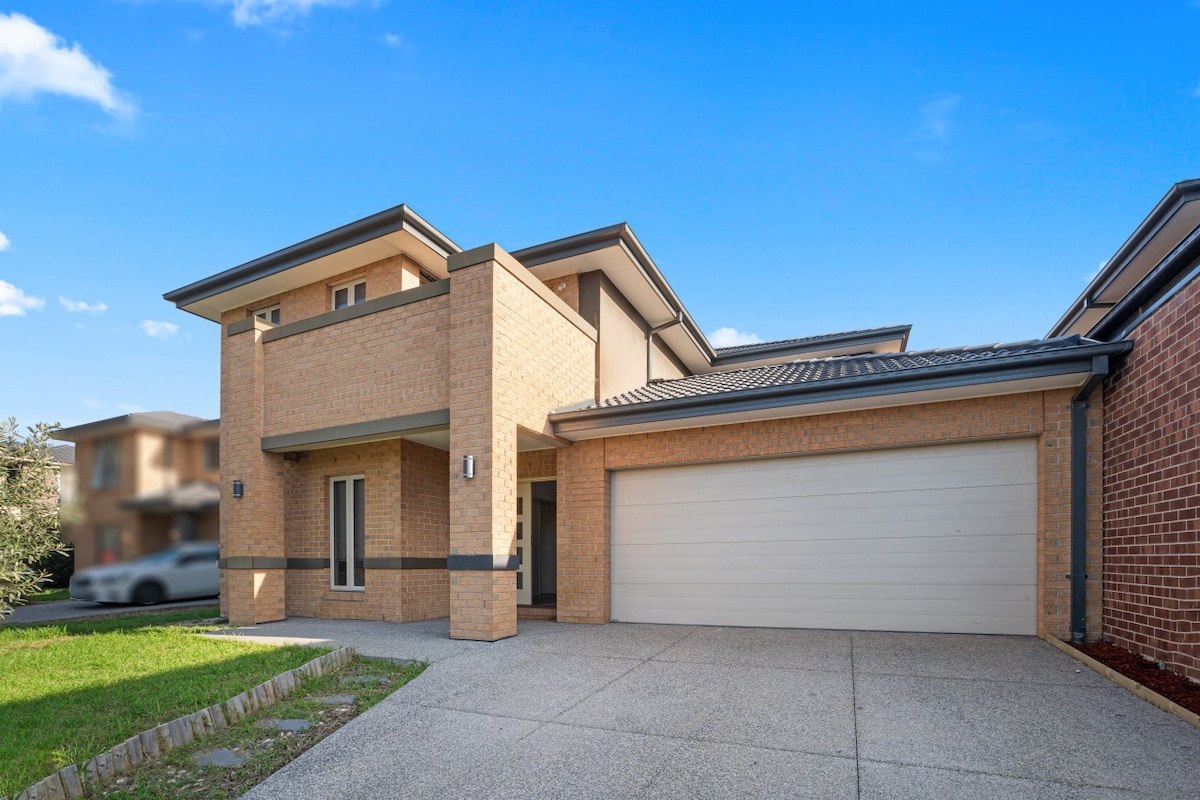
column 143, row 481
column 410, row 430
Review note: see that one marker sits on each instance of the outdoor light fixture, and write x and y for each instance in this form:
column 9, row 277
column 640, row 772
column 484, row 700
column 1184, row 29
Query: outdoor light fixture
column 468, row 466
column 239, row 488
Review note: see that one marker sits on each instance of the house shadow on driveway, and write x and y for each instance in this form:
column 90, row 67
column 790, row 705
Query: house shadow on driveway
column 627, row 710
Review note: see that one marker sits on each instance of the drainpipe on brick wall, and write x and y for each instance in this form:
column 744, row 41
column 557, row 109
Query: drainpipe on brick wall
column 1079, row 475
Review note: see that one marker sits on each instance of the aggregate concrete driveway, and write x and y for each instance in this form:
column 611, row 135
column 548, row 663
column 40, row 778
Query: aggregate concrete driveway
column 656, row 711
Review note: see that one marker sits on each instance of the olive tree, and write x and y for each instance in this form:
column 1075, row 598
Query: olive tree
column 28, row 510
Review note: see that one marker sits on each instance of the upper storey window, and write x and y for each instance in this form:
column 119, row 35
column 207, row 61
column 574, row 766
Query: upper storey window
column 349, row 294
column 270, row 314
column 106, row 468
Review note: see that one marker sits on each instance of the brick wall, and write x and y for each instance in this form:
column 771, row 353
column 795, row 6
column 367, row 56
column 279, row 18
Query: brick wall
column 517, row 353
column 584, row 579
column 382, row 365
column 537, row 464
column 1152, row 489
column 406, row 496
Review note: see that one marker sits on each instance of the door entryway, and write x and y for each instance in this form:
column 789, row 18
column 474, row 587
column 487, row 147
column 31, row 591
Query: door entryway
column 537, row 543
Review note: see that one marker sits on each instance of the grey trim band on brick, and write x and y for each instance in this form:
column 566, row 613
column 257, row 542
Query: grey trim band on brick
column 240, row 326
column 392, row 427
column 1075, row 360
column 403, row 562
column 252, row 562
column 484, row 563
column 400, row 218
column 388, row 301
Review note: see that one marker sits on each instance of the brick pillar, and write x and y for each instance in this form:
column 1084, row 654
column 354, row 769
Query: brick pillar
column 483, row 588
column 584, row 554
column 251, row 527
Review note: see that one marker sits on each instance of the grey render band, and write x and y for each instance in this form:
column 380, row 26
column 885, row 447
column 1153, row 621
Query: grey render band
column 485, row 563
column 400, row 218
column 260, row 562
column 252, row 562
column 422, row 292
column 241, row 326
column 1037, row 365
column 406, row 423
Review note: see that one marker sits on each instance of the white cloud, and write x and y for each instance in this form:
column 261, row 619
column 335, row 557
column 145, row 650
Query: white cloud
column 90, row 404
column 266, row 13
column 935, row 116
column 731, row 337
column 130, row 408
column 35, row 61
column 4, row 242
column 80, row 307
column 159, row 330
column 14, row 302
column 393, row 40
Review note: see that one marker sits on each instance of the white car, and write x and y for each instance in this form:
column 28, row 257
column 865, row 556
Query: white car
column 179, row 573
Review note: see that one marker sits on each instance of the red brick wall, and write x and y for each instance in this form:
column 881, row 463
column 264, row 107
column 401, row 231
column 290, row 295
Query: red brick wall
column 584, row 569
column 1152, row 489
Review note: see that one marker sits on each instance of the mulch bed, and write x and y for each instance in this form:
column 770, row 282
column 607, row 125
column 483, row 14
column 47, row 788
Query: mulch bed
column 1170, row 685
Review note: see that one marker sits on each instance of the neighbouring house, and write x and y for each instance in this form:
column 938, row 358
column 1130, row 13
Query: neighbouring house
column 63, row 456
column 1147, row 294
column 410, row 430
column 144, row 481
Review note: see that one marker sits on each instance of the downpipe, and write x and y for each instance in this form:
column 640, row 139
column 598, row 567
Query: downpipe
column 1079, row 458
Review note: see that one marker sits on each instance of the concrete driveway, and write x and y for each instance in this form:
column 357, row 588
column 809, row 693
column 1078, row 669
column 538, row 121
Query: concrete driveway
column 61, row 610
column 655, row 711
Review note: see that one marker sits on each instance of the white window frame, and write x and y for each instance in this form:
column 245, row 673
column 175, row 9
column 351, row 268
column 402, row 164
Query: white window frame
column 349, row 522
column 265, row 314
column 349, row 286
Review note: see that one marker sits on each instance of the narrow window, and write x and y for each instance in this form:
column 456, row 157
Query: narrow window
column 108, row 544
column 106, row 468
column 270, row 314
column 349, row 294
column 212, row 455
column 347, row 529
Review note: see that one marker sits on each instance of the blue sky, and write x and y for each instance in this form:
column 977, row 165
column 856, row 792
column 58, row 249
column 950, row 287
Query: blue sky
column 794, row 169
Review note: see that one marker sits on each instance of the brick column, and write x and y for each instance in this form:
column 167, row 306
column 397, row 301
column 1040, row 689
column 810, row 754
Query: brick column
column 251, row 527
column 483, row 588
column 584, row 553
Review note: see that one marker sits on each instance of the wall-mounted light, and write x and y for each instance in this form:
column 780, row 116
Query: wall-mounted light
column 468, row 466
column 239, row 488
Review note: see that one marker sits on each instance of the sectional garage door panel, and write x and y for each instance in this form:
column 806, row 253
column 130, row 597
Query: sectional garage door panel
column 938, row 538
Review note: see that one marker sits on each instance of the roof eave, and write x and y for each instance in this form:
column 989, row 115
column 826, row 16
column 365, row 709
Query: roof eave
column 874, row 336
column 1178, row 195
column 400, row 217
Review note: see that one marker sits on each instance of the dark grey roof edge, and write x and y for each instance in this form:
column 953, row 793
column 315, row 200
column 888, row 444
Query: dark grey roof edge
column 349, row 235
column 823, row 342
column 600, row 238
column 141, row 419
column 1180, row 193
column 1049, row 362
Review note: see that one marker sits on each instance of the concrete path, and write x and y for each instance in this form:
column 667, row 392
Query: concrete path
column 60, row 610
column 654, row 711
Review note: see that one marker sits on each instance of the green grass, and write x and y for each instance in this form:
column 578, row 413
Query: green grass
column 48, row 595
column 178, row 777
column 71, row 690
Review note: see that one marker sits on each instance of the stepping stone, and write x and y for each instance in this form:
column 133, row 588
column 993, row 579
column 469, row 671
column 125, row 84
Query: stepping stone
column 291, row 725
column 364, row 679
column 337, row 700
column 219, row 758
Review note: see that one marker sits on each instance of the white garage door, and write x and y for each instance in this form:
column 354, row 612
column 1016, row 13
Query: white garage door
column 938, row 538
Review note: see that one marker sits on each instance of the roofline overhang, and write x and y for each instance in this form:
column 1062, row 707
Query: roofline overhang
column 620, row 235
column 128, row 422
column 1083, row 362
column 838, row 341
column 399, row 218
column 1176, row 197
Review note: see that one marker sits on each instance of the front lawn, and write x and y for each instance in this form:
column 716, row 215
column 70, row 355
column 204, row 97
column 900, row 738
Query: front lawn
column 49, row 595
column 71, row 690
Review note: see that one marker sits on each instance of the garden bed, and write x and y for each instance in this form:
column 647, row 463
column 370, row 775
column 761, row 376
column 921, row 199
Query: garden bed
column 1171, row 685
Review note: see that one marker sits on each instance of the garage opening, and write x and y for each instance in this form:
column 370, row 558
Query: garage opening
column 940, row 538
